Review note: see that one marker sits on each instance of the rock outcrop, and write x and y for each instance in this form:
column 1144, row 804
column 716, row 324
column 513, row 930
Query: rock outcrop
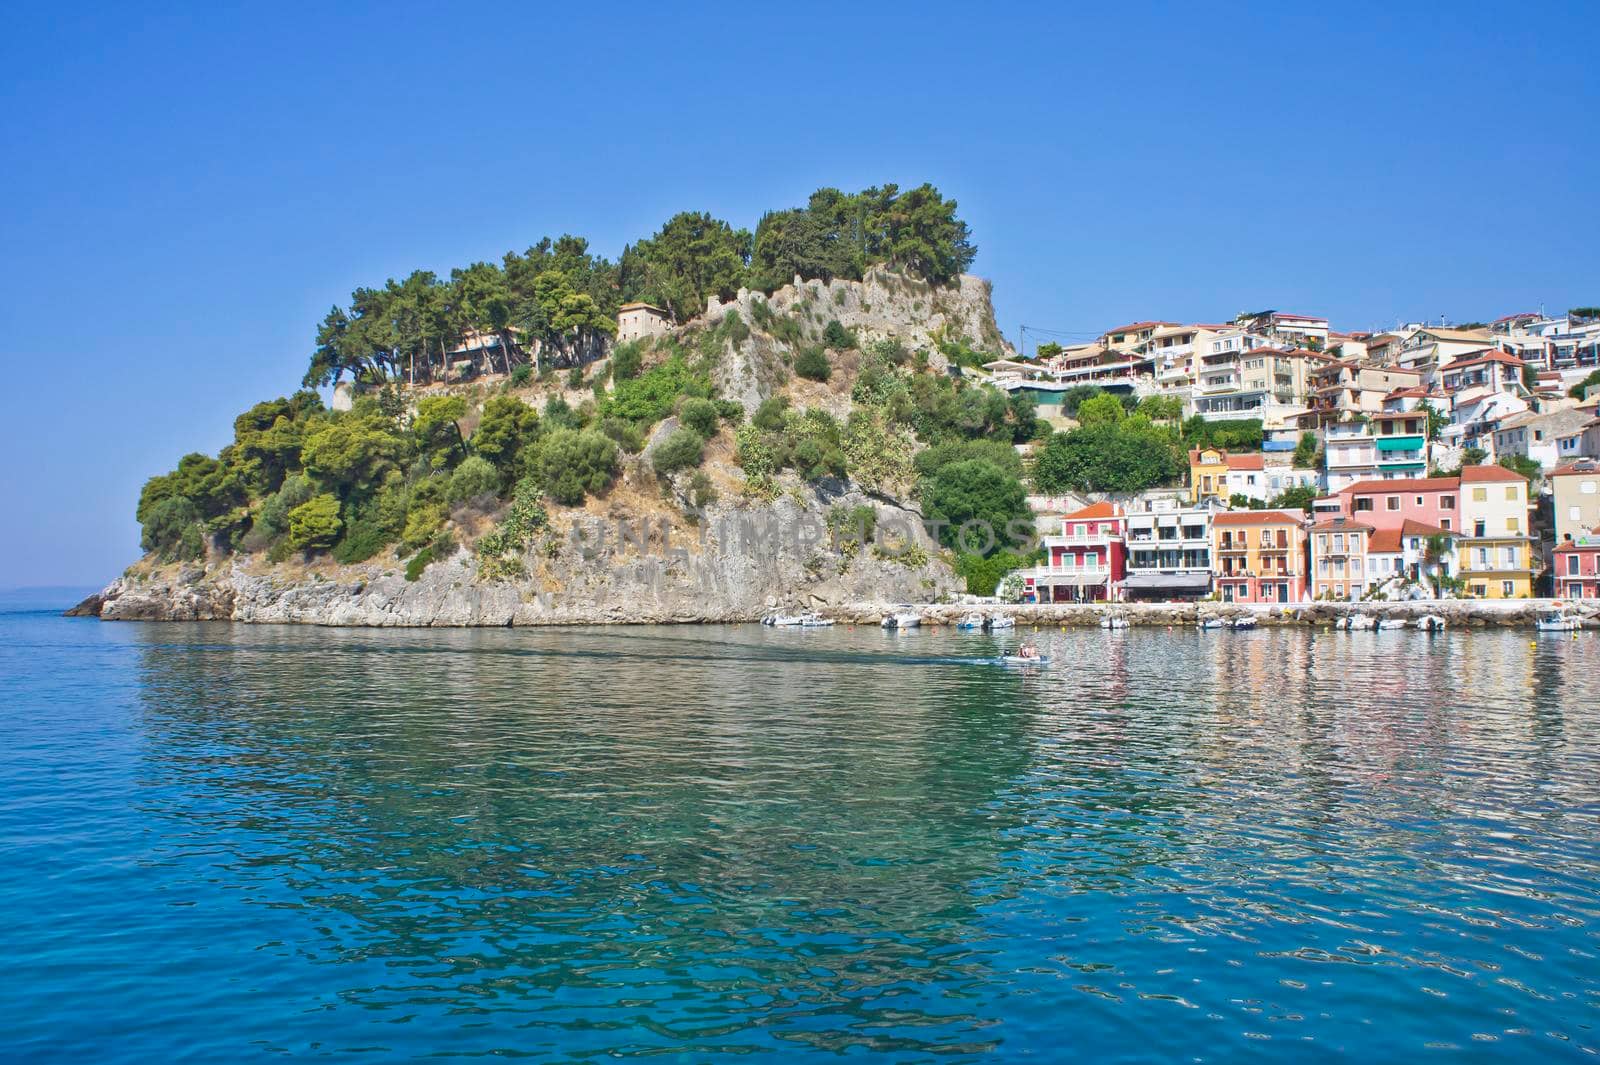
column 739, row 563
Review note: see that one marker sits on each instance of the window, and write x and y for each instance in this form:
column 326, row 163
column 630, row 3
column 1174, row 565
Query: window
column 1447, row 502
column 1574, row 514
column 1478, row 528
column 1480, row 495
column 1511, row 525
column 1508, row 558
column 1507, row 589
column 1480, row 590
column 1512, row 493
column 1392, row 503
column 1338, row 541
column 1419, row 501
column 1444, row 523
column 1364, row 503
column 1586, row 487
column 1572, row 565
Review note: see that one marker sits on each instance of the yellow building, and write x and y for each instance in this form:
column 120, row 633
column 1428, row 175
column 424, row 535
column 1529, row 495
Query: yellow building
column 1496, row 550
column 1208, row 473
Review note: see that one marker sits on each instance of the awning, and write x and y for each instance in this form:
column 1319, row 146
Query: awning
column 1167, row 582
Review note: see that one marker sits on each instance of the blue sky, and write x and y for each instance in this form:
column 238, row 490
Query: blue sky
column 186, row 192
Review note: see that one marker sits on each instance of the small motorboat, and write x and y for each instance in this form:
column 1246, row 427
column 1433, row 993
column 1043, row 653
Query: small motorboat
column 1431, row 623
column 1555, row 621
column 972, row 623
column 814, row 621
column 1211, row 621
column 1359, row 622
column 1113, row 621
column 996, row 622
column 783, row 621
column 1024, row 660
column 902, row 620
column 1245, row 621
column 1391, row 623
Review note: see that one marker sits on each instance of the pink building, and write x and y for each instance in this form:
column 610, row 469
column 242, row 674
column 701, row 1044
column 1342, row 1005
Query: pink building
column 1390, row 504
column 1577, row 566
column 1086, row 562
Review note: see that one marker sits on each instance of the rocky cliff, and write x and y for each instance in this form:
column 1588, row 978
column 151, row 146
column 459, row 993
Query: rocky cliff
column 638, row 555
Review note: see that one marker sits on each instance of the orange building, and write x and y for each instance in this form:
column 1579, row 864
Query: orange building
column 1259, row 556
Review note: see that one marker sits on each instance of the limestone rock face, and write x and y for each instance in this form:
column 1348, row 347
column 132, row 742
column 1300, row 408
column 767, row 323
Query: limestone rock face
column 883, row 304
column 740, row 563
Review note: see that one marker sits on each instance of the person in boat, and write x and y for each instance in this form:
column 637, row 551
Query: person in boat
column 1027, row 650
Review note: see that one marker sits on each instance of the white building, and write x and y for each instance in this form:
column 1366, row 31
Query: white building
column 636, row 320
column 1169, row 551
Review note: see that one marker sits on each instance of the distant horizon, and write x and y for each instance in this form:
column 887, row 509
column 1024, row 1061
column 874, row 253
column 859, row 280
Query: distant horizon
column 189, row 195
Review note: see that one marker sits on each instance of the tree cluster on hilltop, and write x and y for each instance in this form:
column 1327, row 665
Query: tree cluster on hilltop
column 556, row 303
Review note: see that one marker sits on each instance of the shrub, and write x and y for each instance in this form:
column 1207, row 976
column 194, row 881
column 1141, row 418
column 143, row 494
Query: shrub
column 418, row 563
column 702, row 493
column 701, row 415
column 422, row 525
column 837, row 336
column 573, row 464
column 769, row 416
column 500, row 549
column 627, row 360
column 363, row 538
column 787, row 330
column 575, row 377
column 679, row 451
column 315, row 523
column 625, row 433
column 812, row 363
column 521, row 376
column 476, row 476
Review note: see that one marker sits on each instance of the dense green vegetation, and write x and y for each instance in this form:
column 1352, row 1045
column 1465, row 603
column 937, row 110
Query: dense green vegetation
column 555, row 304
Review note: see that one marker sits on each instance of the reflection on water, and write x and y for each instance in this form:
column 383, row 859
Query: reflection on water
column 707, row 841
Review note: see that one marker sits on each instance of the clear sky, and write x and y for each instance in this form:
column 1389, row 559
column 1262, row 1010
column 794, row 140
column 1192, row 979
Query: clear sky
column 185, row 193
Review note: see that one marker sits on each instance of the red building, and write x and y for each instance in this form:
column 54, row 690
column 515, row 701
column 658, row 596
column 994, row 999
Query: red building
column 1086, row 562
column 1577, row 566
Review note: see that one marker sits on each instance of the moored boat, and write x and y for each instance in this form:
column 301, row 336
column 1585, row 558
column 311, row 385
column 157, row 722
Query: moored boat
column 1245, row 621
column 814, row 621
column 1391, row 623
column 1113, row 621
column 783, row 621
column 996, row 622
column 1431, row 623
column 1211, row 621
column 972, row 622
column 1556, row 621
column 904, row 619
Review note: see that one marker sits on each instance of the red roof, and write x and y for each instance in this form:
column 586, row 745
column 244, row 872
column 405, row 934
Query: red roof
column 1339, row 525
column 1384, row 542
column 1403, row 393
column 1480, row 474
column 1577, row 467
column 1412, row 527
column 1139, row 325
column 1492, row 355
column 1101, row 509
column 1405, row 484
column 1246, row 462
column 1255, row 517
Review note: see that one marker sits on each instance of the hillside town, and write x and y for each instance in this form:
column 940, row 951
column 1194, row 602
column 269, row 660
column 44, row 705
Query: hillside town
column 1421, row 462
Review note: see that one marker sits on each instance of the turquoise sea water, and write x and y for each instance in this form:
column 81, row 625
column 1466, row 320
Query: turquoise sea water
column 223, row 843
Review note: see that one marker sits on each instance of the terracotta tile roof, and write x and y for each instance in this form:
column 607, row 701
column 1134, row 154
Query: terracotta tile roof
column 1340, row 525
column 1481, row 357
column 1138, row 325
column 1384, row 542
column 1194, row 455
column 1405, row 393
column 1412, row 527
column 1246, row 462
column 1255, row 517
column 1101, row 509
column 1483, row 474
column 1404, row 484
column 1576, row 468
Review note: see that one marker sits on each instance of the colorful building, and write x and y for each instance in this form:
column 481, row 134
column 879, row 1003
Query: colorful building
column 1577, row 566
column 1575, row 498
column 1085, row 563
column 1390, row 504
column 1169, row 552
column 1339, row 565
column 1259, row 556
column 1496, row 547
